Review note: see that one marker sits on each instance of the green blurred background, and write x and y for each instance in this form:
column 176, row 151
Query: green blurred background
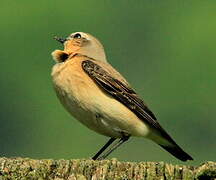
column 166, row 50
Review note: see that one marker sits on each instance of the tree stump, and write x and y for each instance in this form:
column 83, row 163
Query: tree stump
column 85, row 169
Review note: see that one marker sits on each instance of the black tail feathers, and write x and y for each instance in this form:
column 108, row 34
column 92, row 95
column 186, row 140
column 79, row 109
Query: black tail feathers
column 176, row 151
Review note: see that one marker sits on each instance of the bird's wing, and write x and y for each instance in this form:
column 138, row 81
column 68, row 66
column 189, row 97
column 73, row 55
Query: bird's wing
column 108, row 79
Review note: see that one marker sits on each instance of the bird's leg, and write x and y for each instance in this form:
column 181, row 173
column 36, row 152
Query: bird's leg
column 111, row 140
column 115, row 146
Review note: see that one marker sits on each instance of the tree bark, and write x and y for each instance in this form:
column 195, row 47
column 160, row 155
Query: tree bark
column 82, row 169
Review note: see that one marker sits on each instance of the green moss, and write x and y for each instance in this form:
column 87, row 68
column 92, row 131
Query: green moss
column 29, row 169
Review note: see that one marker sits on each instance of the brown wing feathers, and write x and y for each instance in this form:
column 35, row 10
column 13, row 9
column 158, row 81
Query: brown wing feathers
column 122, row 93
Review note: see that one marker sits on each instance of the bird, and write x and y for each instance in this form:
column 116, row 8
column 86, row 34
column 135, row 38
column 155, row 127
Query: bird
column 98, row 96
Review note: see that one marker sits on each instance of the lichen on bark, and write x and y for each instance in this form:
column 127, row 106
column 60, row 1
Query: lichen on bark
column 85, row 169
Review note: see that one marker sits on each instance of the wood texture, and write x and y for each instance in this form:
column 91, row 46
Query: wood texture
column 81, row 169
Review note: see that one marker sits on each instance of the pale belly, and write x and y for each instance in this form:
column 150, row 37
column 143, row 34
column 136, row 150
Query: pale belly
column 89, row 104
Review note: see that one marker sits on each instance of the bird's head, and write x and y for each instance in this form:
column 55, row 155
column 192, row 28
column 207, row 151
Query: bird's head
column 79, row 43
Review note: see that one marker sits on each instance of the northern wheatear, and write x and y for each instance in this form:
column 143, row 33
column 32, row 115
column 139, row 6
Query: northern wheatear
column 98, row 96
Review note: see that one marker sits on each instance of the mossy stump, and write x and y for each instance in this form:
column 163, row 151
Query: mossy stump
column 84, row 169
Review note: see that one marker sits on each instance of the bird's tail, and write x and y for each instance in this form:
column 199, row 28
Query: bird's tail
column 167, row 143
column 176, row 151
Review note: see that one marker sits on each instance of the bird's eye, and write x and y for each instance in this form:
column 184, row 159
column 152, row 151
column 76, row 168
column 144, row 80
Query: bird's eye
column 77, row 35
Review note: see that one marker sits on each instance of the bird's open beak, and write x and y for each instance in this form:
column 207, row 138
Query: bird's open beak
column 61, row 40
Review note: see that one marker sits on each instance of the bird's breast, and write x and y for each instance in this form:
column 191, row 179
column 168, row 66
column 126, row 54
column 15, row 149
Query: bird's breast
column 73, row 86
